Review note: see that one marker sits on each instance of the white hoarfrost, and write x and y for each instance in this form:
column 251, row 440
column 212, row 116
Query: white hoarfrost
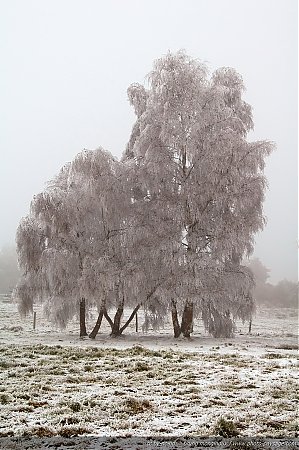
column 56, row 387
column 165, row 228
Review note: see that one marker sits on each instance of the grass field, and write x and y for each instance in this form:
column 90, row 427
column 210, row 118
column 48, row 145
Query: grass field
column 57, row 390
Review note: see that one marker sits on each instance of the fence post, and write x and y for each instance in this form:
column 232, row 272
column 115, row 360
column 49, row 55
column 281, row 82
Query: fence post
column 34, row 320
column 136, row 325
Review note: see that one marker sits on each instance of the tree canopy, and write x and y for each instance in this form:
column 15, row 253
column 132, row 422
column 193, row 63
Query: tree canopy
column 166, row 227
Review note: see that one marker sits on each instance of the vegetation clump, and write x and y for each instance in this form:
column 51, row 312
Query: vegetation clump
column 226, row 428
column 136, row 406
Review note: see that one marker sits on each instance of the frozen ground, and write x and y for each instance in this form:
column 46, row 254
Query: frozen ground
column 148, row 391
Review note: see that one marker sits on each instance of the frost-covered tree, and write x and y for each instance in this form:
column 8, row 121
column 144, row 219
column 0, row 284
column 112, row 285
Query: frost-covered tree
column 165, row 228
column 81, row 246
column 69, row 246
column 261, row 273
column 197, row 170
column 263, row 290
column 283, row 294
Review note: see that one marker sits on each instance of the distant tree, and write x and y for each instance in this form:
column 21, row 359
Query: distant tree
column 260, row 272
column 9, row 271
column 263, row 290
column 285, row 294
column 197, row 171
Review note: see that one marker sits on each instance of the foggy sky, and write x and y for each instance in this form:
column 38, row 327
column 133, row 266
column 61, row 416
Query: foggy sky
column 66, row 66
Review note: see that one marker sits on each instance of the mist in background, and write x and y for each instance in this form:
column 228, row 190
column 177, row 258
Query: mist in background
column 66, row 66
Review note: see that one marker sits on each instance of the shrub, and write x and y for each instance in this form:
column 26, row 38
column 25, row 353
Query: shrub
column 70, row 431
column 136, row 406
column 225, row 428
column 4, row 399
column 39, row 431
column 75, row 407
column 141, row 366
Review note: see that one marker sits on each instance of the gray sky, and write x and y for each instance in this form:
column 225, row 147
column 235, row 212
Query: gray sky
column 66, row 66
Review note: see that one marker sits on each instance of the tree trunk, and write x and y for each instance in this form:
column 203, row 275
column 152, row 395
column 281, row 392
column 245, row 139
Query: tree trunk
column 175, row 320
column 107, row 317
column 187, row 319
column 97, row 325
column 83, row 331
column 116, row 329
column 250, row 325
column 117, row 318
column 133, row 314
